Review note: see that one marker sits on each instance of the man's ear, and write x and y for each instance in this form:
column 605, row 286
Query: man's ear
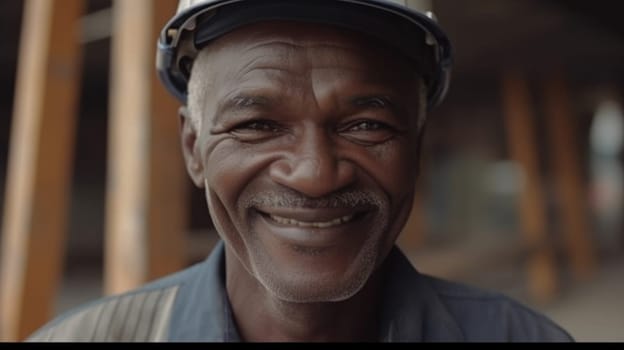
column 192, row 156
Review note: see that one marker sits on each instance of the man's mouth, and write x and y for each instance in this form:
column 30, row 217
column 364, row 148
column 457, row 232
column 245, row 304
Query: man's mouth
column 314, row 228
column 314, row 224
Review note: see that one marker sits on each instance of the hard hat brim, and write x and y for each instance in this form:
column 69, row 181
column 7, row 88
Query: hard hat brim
column 411, row 32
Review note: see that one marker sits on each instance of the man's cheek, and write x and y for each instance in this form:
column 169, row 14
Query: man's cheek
column 398, row 171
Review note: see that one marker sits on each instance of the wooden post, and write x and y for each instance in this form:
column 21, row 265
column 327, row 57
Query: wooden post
column 146, row 194
column 39, row 172
column 413, row 234
column 521, row 135
column 571, row 191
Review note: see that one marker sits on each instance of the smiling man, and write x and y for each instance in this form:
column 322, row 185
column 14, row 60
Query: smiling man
column 302, row 121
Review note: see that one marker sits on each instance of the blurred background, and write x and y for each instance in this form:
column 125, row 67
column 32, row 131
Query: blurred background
column 521, row 188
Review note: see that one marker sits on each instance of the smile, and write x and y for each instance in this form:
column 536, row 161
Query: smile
column 315, row 228
column 315, row 224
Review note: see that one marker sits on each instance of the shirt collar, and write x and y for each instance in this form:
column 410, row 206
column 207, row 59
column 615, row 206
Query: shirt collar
column 202, row 311
column 411, row 310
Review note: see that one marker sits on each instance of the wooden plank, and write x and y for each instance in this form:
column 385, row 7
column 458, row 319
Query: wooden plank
column 39, row 172
column 146, row 196
column 521, row 136
column 571, row 191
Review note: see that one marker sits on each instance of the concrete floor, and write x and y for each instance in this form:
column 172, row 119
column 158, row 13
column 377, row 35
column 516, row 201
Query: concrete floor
column 593, row 311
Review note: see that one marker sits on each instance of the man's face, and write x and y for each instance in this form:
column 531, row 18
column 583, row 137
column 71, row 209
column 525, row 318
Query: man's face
column 305, row 140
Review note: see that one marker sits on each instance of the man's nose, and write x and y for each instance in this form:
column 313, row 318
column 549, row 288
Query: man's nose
column 313, row 167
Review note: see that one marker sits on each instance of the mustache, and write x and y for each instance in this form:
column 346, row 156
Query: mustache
column 292, row 199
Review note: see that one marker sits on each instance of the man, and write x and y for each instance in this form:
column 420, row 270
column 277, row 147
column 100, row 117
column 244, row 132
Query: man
column 302, row 123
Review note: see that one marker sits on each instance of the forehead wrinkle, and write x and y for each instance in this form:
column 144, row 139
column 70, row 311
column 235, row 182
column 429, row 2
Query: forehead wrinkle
column 276, row 66
column 259, row 62
column 302, row 52
column 258, row 81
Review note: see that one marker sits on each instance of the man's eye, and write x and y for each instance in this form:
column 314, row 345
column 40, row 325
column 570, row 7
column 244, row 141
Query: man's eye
column 256, row 130
column 258, row 125
column 368, row 132
column 368, row 126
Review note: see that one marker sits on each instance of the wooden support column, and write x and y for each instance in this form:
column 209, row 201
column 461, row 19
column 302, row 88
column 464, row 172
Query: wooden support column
column 146, row 188
column 571, row 190
column 413, row 234
column 40, row 163
column 521, row 136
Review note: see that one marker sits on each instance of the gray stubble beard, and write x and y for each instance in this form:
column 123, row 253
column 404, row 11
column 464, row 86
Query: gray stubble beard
column 307, row 291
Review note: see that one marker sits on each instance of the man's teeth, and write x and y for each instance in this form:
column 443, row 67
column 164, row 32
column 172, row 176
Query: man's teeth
column 321, row 224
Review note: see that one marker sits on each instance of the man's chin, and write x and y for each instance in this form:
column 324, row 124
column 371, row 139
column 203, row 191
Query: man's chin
column 315, row 292
column 307, row 283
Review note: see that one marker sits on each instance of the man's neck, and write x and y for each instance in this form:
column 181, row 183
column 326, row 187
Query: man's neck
column 261, row 317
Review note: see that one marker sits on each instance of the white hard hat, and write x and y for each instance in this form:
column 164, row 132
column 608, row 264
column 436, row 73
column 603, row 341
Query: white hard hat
column 404, row 25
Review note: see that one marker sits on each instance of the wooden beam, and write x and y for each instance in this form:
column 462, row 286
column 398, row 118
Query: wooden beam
column 570, row 187
column 146, row 193
column 39, row 171
column 521, row 136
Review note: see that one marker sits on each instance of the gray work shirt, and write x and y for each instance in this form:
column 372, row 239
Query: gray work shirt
column 192, row 306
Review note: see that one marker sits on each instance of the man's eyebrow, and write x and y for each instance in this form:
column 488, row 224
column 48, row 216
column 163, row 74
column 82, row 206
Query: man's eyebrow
column 372, row 101
column 242, row 102
column 382, row 102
